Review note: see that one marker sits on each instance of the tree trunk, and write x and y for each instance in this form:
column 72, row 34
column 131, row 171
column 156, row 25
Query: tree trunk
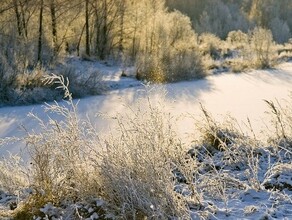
column 97, row 27
column 40, row 41
column 23, row 20
column 122, row 15
column 87, row 49
column 54, row 27
column 104, row 32
column 18, row 18
column 79, row 41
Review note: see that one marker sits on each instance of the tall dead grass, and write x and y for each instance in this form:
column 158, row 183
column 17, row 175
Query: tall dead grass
column 138, row 167
column 134, row 171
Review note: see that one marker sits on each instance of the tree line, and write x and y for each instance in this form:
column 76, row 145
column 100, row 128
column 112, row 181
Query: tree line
column 222, row 16
column 166, row 40
column 101, row 28
column 37, row 31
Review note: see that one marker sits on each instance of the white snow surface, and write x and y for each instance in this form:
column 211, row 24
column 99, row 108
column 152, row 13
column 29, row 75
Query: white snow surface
column 240, row 95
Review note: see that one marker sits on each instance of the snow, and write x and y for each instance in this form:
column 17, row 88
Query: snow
column 111, row 73
column 6, row 201
column 238, row 200
column 241, row 95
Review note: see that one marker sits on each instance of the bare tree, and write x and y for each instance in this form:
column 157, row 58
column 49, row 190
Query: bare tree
column 54, row 27
column 18, row 17
column 40, row 33
column 87, row 33
column 122, row 25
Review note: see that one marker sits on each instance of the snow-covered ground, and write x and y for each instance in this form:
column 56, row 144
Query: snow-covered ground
column 240, row 95
column 111, row 73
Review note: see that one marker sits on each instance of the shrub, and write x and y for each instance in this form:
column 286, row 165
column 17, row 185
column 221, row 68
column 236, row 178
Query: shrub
column 21, row 79
column 170, row 66
column 238, row 39
column 149, row 68
column 13, row 175
column 83, row 84
column 255, row 50
column 28, row 87
column 59, row 168
column 281, row 120
column 279, row 177
column 262, row 46
column 238, row 65
column 172, row 55
column 216, row 136
column 137, row 167
column 210, row 44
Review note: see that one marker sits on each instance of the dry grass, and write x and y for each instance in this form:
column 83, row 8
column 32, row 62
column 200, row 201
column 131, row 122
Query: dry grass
column 138, row 166
column 170, row 65
column 133, row 172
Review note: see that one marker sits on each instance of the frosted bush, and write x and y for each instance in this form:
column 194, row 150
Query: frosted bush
column 237, row 39
column 137, row 167
column 13, row 175
column 173, row 56
column 210, row 44
column 254, row 50
column 262, row 46
column 83, row 84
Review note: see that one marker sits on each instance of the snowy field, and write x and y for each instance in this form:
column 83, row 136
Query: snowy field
column 240, row 95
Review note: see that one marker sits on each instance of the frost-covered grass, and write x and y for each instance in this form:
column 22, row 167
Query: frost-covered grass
column 29, row 87
column 145, row 170
column 242, row 51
